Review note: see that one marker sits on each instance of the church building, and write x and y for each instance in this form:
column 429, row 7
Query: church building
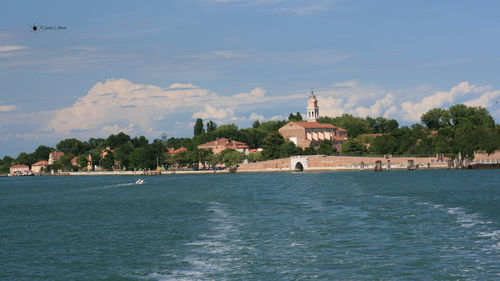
column 305, row 133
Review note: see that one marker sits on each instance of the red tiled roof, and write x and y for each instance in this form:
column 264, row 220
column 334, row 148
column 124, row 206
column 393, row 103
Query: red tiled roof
column 41, row 163
column 19, row 166
column 172, row 151
column 339, row 138
column 318, row 125
column 225, row 143
column 57, row 154
column 341, row 129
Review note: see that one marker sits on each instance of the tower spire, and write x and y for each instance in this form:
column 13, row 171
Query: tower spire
column 312, row 108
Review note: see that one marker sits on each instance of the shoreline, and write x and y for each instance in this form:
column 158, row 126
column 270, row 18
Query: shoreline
column 246, row 171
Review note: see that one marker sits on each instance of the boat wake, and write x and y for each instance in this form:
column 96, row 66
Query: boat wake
column 215, row 254
column 114, row 185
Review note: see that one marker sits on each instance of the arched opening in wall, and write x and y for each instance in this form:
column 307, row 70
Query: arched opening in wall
column 299, row 167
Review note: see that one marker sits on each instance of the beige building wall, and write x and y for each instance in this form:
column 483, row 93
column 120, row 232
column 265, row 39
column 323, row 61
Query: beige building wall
column 296, row 131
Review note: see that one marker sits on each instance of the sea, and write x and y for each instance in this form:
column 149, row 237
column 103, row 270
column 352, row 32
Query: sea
column 350, row 225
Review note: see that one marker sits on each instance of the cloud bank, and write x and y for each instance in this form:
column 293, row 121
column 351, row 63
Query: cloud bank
column 119, row 105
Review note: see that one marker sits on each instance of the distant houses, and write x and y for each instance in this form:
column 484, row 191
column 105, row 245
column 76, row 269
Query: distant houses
column 53, row 156
column 19, row 170
column 39, row 167
column 222, row 144
column 177, row 151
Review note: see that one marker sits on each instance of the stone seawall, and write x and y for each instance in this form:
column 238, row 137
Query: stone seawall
column 270, row 165
column 320, row 162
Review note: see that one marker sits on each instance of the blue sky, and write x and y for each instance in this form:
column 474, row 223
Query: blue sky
column 153, row 67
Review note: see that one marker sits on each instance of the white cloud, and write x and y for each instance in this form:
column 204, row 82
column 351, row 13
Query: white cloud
column 120, row 105
column 278, row 118
column 296, row 7
column 390, row 111
column 346, row 84
column 223, row 54
column 377, row 108
column 6, row 108
column 403, row 104
column 254, row 95
column 9, row 48
column 255, row 116
column 330, row 106
column 485, row 100
column 304, row 10
column 211, row 112
column 413, row 110
column 139, row 109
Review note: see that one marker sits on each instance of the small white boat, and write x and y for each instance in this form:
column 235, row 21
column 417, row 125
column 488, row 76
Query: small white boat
column 139, row 181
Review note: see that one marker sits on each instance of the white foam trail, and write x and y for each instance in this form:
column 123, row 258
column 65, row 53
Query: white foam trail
column 465, row 219
column 212, row 252
column 493, row 234
column 433, row 206
column 114, row 185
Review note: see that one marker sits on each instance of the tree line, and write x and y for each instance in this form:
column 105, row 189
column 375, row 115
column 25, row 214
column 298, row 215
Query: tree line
column 458, row 130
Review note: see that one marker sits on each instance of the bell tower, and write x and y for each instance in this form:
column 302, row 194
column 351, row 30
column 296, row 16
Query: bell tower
column 312, row 108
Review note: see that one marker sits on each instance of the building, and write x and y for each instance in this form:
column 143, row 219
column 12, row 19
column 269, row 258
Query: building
column 221, row 144
column 177, row 151
column 306, row 133
column 19, row 170
column 39, row 166
column 106, row 151
column 53, row 156
column 89, row 163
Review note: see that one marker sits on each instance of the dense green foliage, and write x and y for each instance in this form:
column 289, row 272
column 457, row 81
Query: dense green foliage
column 459, row 130
column 295, row 118
column 358, row 126
column 198, row 127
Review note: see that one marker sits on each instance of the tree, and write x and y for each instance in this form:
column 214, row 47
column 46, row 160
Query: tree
column 231, row 157
column 139, row 142
column 271, row 145
column 353, row 147
column 326, row 148
column 229, row 131
column 96, row 143
column 355, row 125
column 477, row 116
column 295, row 118
column 436, row 118
column 42, row 153
column 108, row 161
column 256, row 124
column 24, row 158
column 64, row 163
column 82, row 161
column 114, row 141
column 5, row 164
column 72, row 146
column 211, row 126
column 382, row 125
column 385, row 144
column 122, row 154
column 255, row 157
column 198, row 127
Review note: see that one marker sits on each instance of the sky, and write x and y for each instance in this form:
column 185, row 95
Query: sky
column 154, row 67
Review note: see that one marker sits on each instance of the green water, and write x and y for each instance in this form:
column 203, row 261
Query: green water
column 398, row 225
